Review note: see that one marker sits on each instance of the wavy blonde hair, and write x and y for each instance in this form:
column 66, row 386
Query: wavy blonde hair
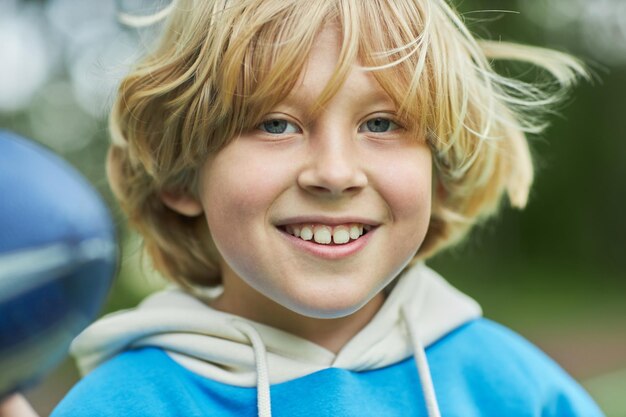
column 221, row 65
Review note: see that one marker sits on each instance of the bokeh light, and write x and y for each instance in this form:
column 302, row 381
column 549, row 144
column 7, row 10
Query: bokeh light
column 25, row 57
column 57, row 119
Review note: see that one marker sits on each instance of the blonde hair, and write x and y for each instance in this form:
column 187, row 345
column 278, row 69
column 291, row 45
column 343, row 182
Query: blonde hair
column 222, row 65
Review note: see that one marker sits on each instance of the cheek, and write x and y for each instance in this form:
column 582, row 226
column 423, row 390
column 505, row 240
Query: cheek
column 230, row 205
column 241, row 183
column 406, row 186
column 237, row 189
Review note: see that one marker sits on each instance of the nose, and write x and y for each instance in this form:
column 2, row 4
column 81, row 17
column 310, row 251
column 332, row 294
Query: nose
column 333, row 166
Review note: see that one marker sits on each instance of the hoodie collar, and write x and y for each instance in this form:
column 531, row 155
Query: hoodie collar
column 210, row 343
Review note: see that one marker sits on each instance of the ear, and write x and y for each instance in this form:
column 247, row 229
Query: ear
column 441, row 191
column 182, row 203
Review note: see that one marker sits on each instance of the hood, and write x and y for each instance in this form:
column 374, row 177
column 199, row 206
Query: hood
column 214, row 344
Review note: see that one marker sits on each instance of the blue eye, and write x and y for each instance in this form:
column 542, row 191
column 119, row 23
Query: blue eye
column 378, row 125
column 278, row 127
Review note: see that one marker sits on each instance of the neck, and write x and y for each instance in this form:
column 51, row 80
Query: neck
column 332, row 334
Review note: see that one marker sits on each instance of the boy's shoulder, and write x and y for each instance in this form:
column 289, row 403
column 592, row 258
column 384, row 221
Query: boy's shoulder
column 138, row 382
column 495, row 366
column 483, row 339
column 484, row 344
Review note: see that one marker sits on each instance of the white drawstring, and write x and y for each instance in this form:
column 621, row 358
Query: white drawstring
column 264, row 404
column 423, row 370
column 263, row 386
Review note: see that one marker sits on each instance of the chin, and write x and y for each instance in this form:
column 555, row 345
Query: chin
column 327, row 307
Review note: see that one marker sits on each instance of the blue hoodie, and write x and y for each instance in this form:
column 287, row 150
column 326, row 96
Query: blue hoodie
column 427, row 353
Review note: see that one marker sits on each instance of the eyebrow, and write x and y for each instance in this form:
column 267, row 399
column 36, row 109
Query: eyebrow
column 296, row 99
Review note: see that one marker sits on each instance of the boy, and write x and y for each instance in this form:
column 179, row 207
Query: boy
column 302, row 159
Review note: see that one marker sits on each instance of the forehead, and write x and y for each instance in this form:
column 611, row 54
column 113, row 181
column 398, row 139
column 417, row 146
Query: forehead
column 327, row 74
column 323, row 58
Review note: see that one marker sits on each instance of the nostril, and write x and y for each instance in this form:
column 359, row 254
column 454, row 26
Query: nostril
column 321, row 190
column 352, row 189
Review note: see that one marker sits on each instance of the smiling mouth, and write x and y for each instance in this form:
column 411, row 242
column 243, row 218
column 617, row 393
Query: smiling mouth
column 327, row 235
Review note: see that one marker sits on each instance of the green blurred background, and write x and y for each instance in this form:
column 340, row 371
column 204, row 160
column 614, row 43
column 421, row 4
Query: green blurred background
column 555, row 272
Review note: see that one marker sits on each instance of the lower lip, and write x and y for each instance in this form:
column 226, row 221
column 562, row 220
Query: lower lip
column 329, row 251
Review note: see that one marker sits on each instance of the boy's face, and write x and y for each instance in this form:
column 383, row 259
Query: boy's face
column 349, row 167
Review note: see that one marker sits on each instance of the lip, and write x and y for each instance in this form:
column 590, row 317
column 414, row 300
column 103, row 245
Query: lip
column 326, row 220
column 330, row 252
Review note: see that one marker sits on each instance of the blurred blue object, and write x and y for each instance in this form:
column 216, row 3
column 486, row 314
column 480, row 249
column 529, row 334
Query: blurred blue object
column 58, row 256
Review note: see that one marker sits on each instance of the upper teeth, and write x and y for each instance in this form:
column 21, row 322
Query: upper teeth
column 324, row 234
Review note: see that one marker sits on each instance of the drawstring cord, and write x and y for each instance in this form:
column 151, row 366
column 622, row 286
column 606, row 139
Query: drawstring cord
column 263, row 386
column 423, row 370
column 264, row 404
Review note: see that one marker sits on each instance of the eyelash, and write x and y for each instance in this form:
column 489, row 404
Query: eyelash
column 265, row 123
column 378, row 119
column 263, row 126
